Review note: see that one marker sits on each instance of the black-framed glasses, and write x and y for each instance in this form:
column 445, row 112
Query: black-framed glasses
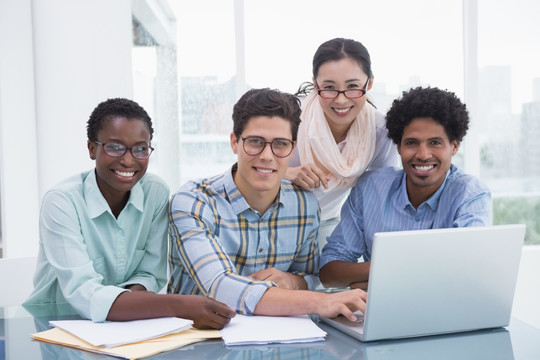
column 116, row 150
column 350, row 93
column 254, row 145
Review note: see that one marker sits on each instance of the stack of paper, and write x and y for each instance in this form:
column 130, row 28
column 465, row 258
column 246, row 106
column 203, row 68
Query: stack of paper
column 115, row 333
column 245, row 330
column 126, row 331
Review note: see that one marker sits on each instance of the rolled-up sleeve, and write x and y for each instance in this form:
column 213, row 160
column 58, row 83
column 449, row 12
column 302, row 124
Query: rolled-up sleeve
column 195, row 242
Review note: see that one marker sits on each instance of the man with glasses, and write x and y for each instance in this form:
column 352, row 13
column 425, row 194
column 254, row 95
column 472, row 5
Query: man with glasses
column 248, row 238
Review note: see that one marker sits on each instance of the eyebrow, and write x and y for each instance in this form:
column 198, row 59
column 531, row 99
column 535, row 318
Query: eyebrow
column 346, row 81
column 429, row 139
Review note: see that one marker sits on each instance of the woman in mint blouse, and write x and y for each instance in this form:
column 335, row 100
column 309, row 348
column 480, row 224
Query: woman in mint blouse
column 103, row 233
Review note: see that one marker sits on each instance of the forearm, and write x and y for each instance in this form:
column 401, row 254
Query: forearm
column 280, row 302
column 340, row 274
column 205, row 312
column 283, row 302
column 144, row 305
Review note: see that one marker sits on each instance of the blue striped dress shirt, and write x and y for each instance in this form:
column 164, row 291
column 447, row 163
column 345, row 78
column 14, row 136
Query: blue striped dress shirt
column 379, row 203
column 217, row 240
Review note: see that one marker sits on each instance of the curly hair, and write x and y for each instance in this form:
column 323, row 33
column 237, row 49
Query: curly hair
column 266, row 102
column 110, row 108
column 442, row 106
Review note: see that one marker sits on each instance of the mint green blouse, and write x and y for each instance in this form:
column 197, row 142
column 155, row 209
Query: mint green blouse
column 87, row 256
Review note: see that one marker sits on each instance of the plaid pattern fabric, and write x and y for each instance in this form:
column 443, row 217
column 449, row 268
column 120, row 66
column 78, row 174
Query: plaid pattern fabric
column 217, row 240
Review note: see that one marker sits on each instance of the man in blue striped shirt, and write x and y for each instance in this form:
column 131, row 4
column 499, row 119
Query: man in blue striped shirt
column 248, row 237
column 427, row 125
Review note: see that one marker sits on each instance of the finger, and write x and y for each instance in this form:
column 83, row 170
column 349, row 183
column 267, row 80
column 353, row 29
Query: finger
column 258, row 275
column 321, row 176
column 224, row 311
column 345, row 311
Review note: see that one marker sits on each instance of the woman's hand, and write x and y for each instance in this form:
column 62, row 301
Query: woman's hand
column 307, row 176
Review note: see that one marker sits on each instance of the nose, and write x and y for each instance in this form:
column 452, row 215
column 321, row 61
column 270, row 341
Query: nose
column 267, row 153
column 341, row 98
column 127, row 159
column 423, row 152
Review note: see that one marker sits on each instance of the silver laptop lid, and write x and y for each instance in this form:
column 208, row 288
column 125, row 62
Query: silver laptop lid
column 437, row 281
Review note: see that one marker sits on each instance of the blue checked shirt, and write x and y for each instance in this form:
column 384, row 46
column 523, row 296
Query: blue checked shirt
column 217, row 240
column 379, row 203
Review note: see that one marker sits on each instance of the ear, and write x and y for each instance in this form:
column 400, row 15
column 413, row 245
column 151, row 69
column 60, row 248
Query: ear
column 455, row 147
column 234, row 143
column 399, row 148
column 91, row 149
column 314, row 84
column 370, row 83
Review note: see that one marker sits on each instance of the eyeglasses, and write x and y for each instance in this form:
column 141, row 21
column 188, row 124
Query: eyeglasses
column 349, row 93
column 254, row 145
column 116, row 150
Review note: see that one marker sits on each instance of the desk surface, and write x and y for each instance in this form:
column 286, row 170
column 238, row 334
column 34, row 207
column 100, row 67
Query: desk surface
column 518, row 341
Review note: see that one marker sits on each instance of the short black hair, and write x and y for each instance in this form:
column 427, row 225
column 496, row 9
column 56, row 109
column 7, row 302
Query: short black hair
column 266, row 102
column 110, row 108
column 430, row 102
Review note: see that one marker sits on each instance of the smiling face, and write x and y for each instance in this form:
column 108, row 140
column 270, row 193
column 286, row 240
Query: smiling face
column 426, row 155
column 116, row 175
column 341, row 75
column 259, row 177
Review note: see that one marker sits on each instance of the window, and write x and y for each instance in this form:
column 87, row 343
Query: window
column 509, row 111
column 260, row 44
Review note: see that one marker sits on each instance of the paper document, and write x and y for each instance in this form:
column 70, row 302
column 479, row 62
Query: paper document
column 245, row 330
column 130, row 351
column 116, row 333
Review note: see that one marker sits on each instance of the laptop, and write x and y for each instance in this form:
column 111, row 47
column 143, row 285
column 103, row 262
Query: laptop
column 438, row 281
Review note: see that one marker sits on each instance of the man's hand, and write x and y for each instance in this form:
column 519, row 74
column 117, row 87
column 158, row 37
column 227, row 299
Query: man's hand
column 284, row 280
column 345, row 303
column 307, row 176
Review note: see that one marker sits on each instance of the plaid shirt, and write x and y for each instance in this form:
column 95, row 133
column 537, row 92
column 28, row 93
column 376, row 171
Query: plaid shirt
column 217, row 240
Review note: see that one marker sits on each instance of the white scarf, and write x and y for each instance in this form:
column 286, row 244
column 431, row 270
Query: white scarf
column 317, row 144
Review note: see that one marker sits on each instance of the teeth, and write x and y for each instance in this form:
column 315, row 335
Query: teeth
column 264, row 171
column 341, row 111
column 424, row 168
column 125, row 174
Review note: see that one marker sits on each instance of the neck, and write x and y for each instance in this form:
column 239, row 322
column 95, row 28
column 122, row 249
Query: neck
column 259, row 200
column 418, row 195
column 339, row 132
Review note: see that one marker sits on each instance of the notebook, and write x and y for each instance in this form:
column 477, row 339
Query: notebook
column 439, row 281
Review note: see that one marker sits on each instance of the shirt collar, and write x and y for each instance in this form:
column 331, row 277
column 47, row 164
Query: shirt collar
column 432, row 202
column 97, row 204
column 235, row 197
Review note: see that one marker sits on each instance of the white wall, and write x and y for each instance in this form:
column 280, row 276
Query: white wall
column 60, row 58
column 18, row 151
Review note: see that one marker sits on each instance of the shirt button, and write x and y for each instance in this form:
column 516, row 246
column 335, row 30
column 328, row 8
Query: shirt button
column 260, row 250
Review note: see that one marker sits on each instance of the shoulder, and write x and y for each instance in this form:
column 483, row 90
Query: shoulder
column 295, row 194
column 153, row 183
column 458, row 182
column 70, row 187
column 381, row 176
column 199, row 190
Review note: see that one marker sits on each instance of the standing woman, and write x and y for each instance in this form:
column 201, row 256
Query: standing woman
column 341, row 135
